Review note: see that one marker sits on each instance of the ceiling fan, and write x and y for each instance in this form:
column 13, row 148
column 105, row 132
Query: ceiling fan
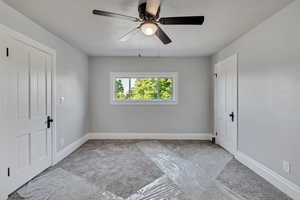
column 149, row 11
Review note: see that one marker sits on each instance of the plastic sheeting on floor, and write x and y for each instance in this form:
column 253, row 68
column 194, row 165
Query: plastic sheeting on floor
column 190, row 178
column 148, row 170
column 162, row 188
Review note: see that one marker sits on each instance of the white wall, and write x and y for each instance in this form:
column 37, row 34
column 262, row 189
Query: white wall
column 269, row 91
column 72, row 75
column 191, row 115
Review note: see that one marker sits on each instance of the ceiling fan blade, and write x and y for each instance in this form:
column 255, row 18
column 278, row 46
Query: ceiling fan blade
column 163, row 36
column 152, row 7
column 129, row 35
column 115, row 15
column 188, row 20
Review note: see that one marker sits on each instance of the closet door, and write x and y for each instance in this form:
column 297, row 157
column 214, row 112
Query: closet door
column 5, row 139
column 226, row 104
column 26, row 105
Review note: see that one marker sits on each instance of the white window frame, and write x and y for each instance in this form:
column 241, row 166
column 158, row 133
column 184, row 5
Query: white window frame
column 172, row 75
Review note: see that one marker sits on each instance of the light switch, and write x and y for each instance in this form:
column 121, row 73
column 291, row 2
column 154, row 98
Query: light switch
column 61, row 100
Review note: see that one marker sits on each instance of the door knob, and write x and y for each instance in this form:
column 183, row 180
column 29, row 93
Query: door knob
column 232, row 116
column 49, row 121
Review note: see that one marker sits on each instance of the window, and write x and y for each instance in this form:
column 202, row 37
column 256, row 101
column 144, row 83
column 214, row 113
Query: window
column 144, row 88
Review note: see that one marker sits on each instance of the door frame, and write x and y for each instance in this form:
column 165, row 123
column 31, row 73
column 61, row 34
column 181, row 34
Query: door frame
column 52, row 52
column 235, row 57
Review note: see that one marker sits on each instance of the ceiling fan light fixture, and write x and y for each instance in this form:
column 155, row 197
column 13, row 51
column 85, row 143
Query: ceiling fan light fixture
column 149, row 28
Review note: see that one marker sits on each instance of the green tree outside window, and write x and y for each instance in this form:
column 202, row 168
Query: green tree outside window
column 146, row 89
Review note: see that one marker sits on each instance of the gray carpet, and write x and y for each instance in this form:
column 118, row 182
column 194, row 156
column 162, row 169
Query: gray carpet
column 148, row 170
column 117, row 167
column 241, row 180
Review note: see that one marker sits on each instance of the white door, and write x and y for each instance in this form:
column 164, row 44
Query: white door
column 25, row 105
column 4, row 137
column 226, row 103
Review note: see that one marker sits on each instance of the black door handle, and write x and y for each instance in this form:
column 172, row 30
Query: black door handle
column 49, row 121
column 232, row 116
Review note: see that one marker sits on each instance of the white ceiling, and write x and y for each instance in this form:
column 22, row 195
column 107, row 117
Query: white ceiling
column 73, row 21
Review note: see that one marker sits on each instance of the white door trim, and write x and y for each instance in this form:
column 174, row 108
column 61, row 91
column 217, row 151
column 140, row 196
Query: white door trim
column 235, row 57
column 52, row 52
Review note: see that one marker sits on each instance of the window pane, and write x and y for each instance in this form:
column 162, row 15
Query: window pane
column 122, row 88
column 135, row 87
column 144, row 89
column 166, row 88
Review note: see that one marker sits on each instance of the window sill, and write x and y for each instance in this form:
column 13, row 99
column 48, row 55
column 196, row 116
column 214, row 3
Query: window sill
column 151, row 102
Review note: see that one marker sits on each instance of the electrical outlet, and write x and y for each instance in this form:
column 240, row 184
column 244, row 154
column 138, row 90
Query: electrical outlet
column 286, row 167
column 62, row 142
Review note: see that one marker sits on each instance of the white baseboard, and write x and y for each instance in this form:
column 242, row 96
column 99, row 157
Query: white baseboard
column 286, row 186
column 128, row 136
column 150, row 136
column 70, row 148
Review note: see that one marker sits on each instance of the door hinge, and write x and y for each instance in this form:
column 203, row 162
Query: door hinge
column 216, row 75
column 8, row 172
column 216, row 133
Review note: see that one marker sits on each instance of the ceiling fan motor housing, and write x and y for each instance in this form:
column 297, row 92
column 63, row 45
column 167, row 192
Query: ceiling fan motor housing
column 145, row 15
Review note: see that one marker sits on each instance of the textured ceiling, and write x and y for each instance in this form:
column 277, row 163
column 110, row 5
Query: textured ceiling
column 72, row 20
